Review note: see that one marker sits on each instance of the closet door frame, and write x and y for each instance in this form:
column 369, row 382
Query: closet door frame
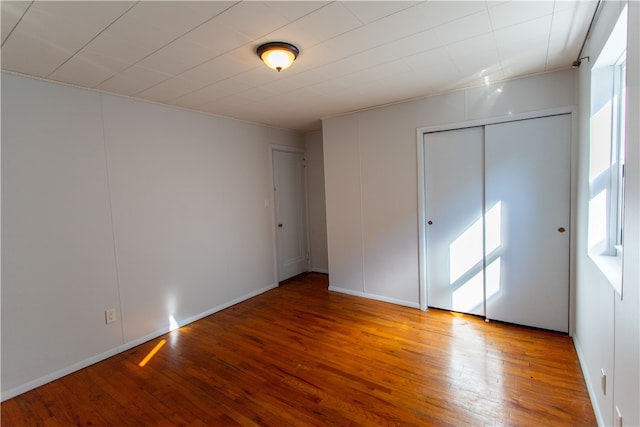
column 422, row 211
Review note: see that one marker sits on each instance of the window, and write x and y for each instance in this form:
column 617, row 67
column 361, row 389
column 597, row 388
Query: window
column 618, row 147
column 607, row 155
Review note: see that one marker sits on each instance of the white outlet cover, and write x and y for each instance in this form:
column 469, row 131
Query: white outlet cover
column 110, row 315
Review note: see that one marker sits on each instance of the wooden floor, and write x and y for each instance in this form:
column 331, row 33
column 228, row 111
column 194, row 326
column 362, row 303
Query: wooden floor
column 301, row 355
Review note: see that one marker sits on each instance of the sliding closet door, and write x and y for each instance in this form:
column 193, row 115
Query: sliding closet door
column 454, row 182
column 527, row 175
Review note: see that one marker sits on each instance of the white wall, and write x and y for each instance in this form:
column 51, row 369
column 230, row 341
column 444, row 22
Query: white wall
column 109, row 202
column 607, row 334
column 371, row 179
column 317, row 206
column 627, row 320
column 58, row 262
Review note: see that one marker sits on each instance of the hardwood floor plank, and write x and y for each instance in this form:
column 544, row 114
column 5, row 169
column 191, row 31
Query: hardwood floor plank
column 300, row 355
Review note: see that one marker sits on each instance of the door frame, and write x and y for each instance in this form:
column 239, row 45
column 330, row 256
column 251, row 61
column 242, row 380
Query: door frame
column 272, row 201
column 422, row 207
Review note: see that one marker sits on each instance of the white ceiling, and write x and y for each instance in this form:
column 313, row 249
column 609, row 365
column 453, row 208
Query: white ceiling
column 354, row 54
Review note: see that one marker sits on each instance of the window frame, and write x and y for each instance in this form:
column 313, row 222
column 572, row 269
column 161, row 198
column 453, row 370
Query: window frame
column 605, row 237
column 618, row 147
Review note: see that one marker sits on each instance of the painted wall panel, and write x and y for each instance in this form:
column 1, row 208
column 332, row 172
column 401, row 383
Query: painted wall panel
column 58, row 264
column 191, row 231
column 593, row 334
column 187, row 217
column 607, row 331
column 595, row 347
column 249, row 219
column 520, row 95
column 389, row 203
column 627, row 320
column 317, row 203
column 343, row 198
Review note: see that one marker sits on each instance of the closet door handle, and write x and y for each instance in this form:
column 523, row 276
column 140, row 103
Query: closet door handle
column 561, row 230
column 429, row 222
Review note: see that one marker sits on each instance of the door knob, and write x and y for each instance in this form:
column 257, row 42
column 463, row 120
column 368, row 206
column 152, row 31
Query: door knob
column 279, row 225
column 429, row 222
column 561, row 230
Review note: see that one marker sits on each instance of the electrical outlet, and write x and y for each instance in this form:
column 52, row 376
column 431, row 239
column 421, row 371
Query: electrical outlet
column 110, row 315
column 618, row 417
column 603, row 381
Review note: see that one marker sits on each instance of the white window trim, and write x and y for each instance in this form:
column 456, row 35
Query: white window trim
column 608, row 256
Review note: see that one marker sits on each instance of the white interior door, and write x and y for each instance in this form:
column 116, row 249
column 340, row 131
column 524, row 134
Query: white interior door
column 527, row 179
column 454, row 230
column 290, row 207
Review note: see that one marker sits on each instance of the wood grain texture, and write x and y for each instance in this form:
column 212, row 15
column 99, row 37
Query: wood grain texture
column 300, row 355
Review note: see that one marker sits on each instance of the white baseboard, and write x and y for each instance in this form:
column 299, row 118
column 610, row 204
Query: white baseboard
column 319, row 270
column 23, row 388
column 375, row 297
column 183, row 322
column 590, row 389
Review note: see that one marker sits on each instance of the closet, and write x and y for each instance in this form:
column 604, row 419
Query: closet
column 497, row 207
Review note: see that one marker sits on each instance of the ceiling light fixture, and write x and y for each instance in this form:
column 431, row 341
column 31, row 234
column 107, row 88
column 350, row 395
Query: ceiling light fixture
column 278, row 55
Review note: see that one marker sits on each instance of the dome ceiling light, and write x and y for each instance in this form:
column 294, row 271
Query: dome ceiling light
column 278, row 55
